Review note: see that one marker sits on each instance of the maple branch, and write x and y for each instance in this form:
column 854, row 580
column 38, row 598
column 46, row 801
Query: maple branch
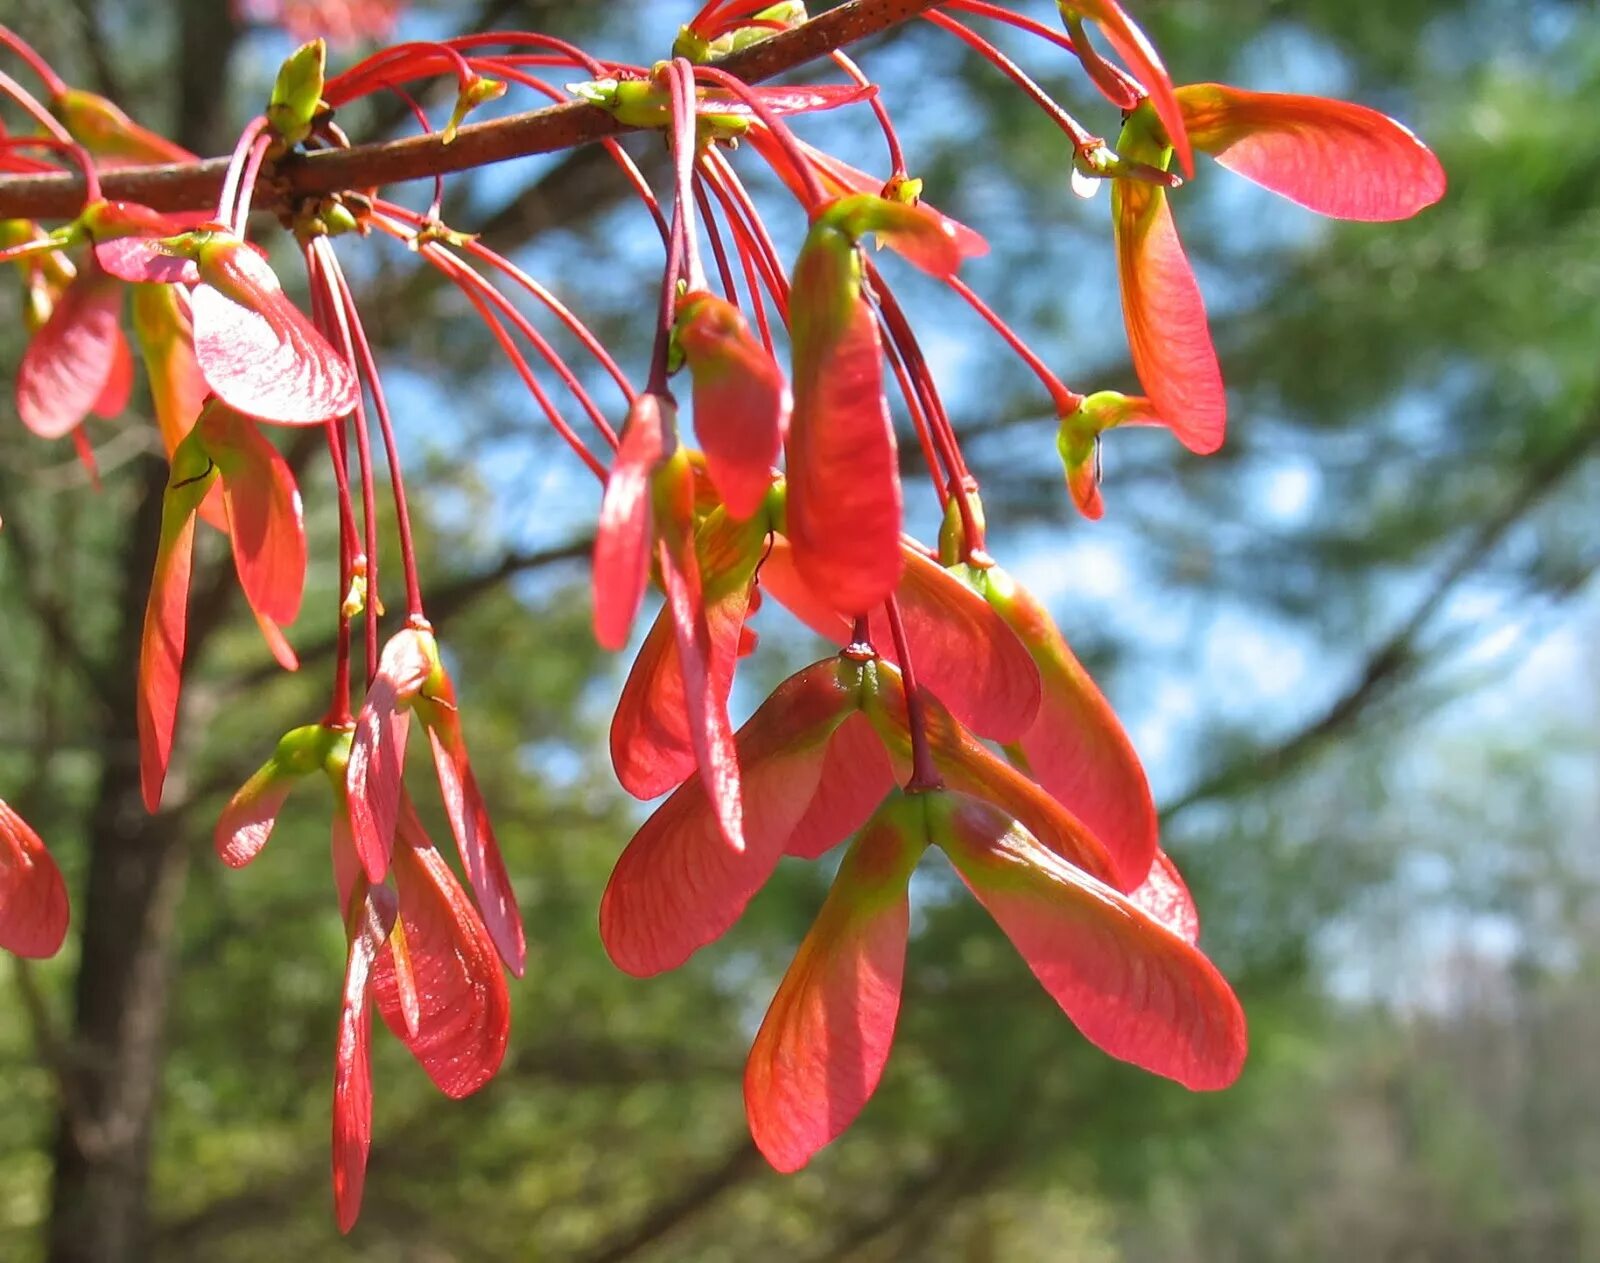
column 195, row 185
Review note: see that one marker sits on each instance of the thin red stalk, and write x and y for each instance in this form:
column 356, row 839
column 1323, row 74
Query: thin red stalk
column 897, row 158
column 656, row 383
column 477, row 291
column 30, row 104
column 228, row 198
column 356, row 338
column 247, row 183
column 334, row 312
column 919, row 422
column 436, row 205
column 1062, row 399
column 574, row 325
column 750, row 260
column 902, row 335
column 741, row 211
column 573, row 55
column 1079, row 135
column 412, row 60
column 320, row 296
column 52, row 81
column 619, row 155
column 708, row 11
column 685, row 144
column 924, row 773
column 816, row 195
column 702, row 201
column 983, row 9
column 465, row 276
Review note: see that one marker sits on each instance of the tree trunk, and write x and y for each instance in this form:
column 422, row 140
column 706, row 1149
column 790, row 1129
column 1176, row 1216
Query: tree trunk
column 100, row 1208
column 136, row 870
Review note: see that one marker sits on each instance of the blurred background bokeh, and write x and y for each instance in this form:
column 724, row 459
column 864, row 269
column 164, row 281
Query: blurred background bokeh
column 1359, row 651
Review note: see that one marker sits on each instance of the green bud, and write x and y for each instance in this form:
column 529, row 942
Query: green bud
column 302, row 751
column 1143, row 140
column 297, row 93
column 469, row 99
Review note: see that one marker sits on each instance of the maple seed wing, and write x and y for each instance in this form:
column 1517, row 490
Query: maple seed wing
column 962, row 650
column 248, row 820
column 33, row 898
column 705, row 709
column 856, row 777
column 1332, row 157
column 821, row 1049
column 71, row 360
column 651, row 747
column 257, row 350
column 623, row 536
column 1165, row 315
column 114, row 395
column 352, row 1062
column 844, row 506
column 166, row 617
column 474, row 834
column 378, row 752
column 265, row 519
column 1135, row 989
column 1076, row 747
column 1165, row 896
column 464, row 1013
column 678, row 885
column 741, row 401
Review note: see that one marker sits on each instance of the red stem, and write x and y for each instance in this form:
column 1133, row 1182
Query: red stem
column 324, row 311
column 476, row 290
column 1079, row 135
column 702, row 201
column 750, row 257
column 897, row 158
column 685, row 145
column 816, row 195
column 228, row 198
column 356, row 339
column 924, row 772
column 1062, row 399
column 30, row 104
column 52, row 81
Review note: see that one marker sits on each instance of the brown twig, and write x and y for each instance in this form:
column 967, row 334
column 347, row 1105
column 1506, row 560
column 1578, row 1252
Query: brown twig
column 194, row 186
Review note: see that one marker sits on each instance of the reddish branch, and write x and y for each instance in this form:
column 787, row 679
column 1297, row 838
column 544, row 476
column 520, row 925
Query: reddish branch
column 194, row 186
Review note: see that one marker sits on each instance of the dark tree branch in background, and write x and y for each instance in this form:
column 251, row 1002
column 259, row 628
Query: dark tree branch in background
column 448, row 599
column 571, row 1066
column 1392, row 661
column 194, row 186
column 106, row 79
column 48, row 610
column 692, row 1199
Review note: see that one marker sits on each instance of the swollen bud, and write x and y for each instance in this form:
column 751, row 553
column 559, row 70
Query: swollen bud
column 106, row 132
column 1078, row 441
column 477, row 90
column 297, row 93
column 762, row 24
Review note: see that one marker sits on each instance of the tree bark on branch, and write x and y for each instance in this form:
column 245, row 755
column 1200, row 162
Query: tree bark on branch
column 195, row 185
